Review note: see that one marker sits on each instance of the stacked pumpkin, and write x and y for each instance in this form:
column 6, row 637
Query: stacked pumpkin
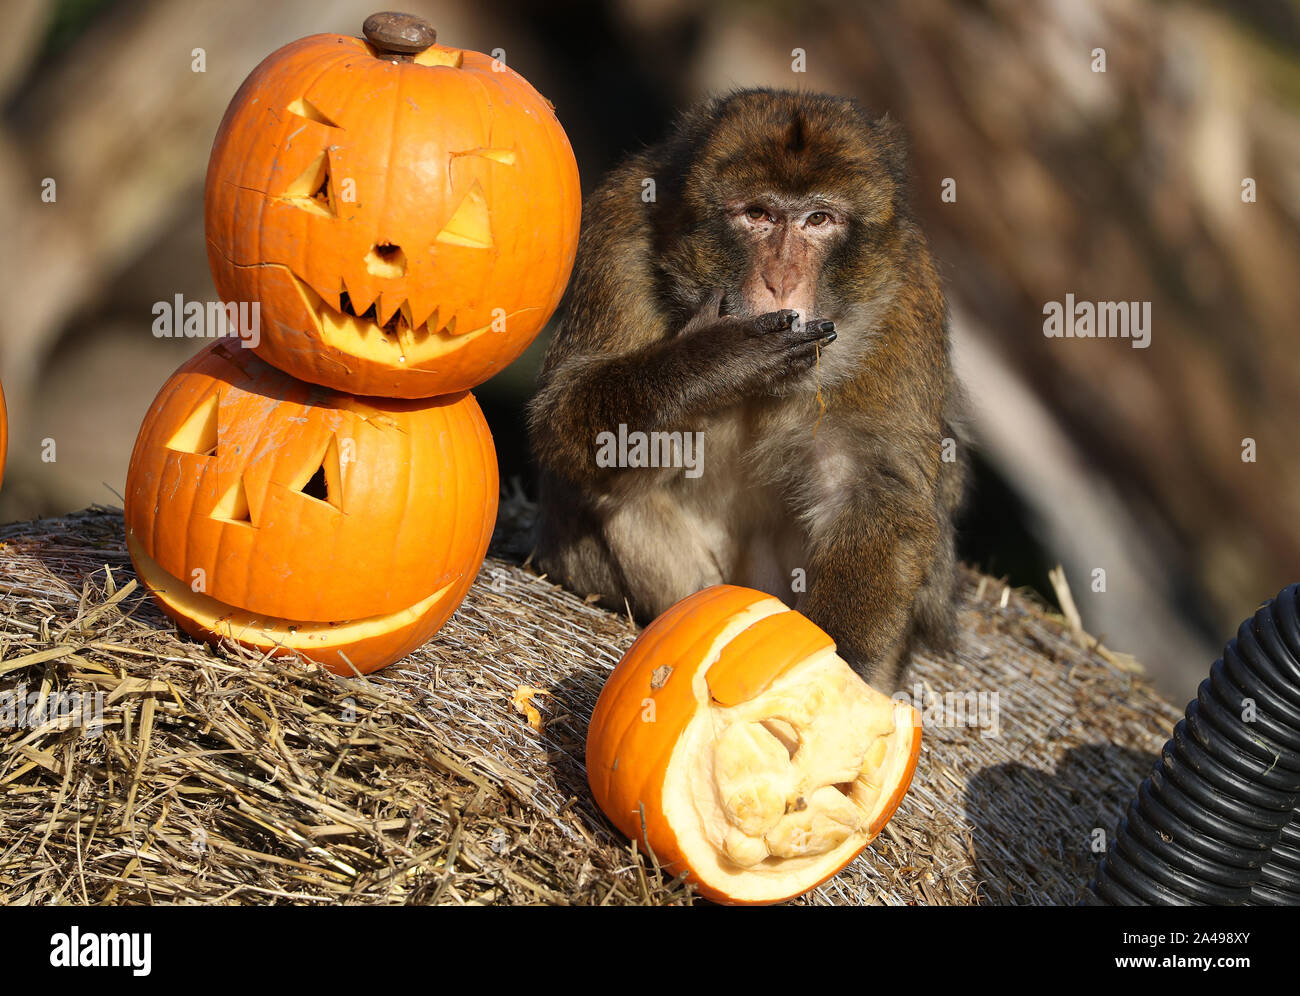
column 405, row 216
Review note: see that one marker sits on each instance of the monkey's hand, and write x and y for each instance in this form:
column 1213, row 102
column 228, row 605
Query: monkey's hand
column 763, row 351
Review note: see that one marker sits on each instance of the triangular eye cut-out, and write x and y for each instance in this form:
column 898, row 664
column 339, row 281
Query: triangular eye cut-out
column 470, row 225
column 311, row 191
column 233, row 505
column 199, row 433
column 316, row 487
column 326, row 482
column 304, row 108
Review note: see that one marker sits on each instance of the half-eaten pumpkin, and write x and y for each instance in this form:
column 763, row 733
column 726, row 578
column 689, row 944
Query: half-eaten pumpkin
column 734, row 742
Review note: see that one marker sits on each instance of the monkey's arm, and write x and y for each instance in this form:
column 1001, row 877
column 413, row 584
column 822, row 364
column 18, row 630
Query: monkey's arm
column 714, row 362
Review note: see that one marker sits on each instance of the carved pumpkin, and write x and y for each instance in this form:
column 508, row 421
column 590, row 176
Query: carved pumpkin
column 736, row 743
column 280, row 514
column 407, row 226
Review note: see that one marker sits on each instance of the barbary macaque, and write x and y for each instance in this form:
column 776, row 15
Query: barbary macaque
column 756, row 284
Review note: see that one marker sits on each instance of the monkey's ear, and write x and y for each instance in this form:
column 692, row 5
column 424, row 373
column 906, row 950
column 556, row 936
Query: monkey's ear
column 891, row 139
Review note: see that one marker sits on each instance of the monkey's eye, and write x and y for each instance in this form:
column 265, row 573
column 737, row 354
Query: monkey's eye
column 755, row 213
column 818, row 218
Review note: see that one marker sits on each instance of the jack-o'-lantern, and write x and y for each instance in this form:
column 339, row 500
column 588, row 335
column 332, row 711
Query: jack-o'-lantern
column 406, row 220
column 736, row 744
column 289, row 517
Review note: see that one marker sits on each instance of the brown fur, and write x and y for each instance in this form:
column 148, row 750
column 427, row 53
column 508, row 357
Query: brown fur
column 860, row 500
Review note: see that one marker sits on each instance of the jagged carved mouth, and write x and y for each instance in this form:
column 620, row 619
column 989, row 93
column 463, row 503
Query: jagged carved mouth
column 399, row 338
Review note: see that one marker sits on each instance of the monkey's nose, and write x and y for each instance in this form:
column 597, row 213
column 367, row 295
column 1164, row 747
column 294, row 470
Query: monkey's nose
column 786, row 289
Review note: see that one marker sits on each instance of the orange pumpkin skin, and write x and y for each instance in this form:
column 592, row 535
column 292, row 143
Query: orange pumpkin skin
column 628, row 757
column 4, row 433
column 364, row 655
column 362, row 564
column 466, row 171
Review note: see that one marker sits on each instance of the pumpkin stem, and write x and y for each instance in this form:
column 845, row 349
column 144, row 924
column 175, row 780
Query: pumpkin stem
column 398, row 36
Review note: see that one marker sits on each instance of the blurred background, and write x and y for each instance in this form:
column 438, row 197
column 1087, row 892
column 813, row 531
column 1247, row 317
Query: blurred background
column 1122, row 185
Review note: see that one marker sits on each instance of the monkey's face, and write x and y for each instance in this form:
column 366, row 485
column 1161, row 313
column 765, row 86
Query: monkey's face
column 786, row 240
column 795, row 201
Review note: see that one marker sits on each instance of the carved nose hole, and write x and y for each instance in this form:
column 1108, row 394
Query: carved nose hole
column 386, row 260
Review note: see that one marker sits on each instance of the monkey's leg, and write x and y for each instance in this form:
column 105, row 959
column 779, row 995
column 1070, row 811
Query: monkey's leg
column 869, row 562
column 664, row 551
column 570, row 547
column 649, row 549
column 934, row 615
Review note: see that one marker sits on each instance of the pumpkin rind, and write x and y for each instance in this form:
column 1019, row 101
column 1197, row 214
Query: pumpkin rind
column 729, row 644
column 411, row 494
column 341, row 652
column 465, row 169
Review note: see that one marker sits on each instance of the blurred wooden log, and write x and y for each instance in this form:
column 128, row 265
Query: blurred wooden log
column 24, row 25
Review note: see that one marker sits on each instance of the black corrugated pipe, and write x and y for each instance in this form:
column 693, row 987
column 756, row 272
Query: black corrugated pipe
column 1216, row 822
column 1279, row 879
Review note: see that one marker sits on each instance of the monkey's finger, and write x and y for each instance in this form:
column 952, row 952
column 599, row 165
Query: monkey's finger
column 803, row 356
column 776, row 321
column 820, row 330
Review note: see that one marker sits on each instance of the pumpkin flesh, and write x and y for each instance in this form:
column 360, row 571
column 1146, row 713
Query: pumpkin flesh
column 774, row 795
